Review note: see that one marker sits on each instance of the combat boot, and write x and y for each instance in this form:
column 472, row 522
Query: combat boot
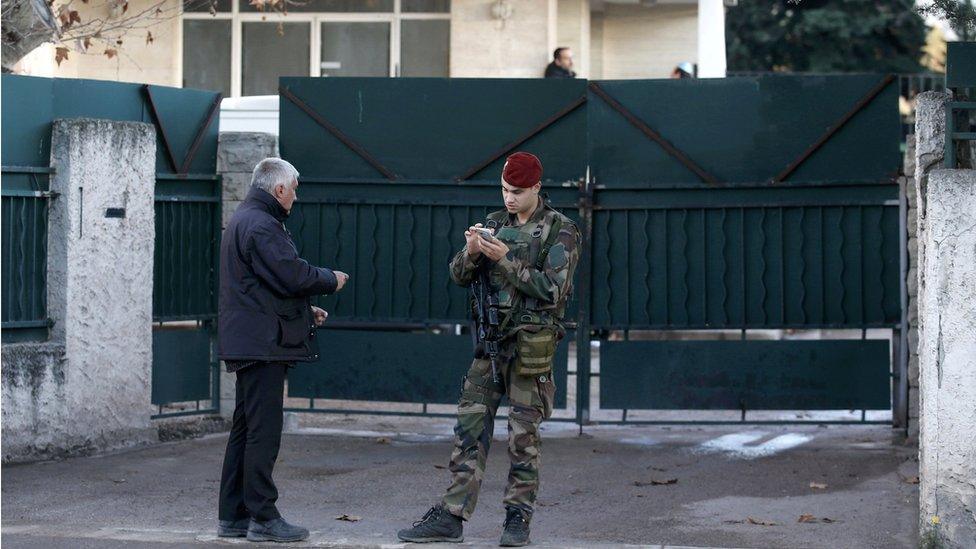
column 516, row 532
column 437, row 525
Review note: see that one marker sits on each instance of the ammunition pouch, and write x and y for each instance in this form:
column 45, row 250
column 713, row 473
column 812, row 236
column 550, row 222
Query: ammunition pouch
column 535, row 349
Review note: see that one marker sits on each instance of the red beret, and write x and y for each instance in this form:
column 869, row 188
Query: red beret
column 522, row 170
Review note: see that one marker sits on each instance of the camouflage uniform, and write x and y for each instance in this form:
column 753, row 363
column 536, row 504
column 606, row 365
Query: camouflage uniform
column 538, row 297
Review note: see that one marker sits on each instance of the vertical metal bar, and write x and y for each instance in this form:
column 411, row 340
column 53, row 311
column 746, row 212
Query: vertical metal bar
column 782, row 268
column 355, row 259
column 647, row 272
column 823, row 269
column 704, row 265
column 430, row 256
column 899, row 400
column 22, row 266
column 667, row 272
column 34, row 286
column 742, row 250
column 629, row 269
column 585, row 300
column 860, row 257
column 392, row 270
column 950, row 146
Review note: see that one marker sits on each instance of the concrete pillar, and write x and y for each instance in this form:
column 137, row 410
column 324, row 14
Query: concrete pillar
column 237, row 154
column 927, row 151
column 100, row 279
column 947, row 360
column 711, row 39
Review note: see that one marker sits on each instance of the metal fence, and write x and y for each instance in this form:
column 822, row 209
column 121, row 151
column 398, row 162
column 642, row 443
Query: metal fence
column 25, row 204
column 187, row 219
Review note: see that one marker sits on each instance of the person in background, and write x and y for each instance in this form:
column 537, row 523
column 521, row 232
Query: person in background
column 684, row 69
column 562, row 64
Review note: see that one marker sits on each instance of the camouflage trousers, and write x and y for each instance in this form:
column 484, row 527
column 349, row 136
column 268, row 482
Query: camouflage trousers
column 531, row 400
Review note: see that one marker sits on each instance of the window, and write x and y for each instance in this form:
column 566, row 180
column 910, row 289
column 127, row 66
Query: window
column 355, row 49
column 231, row 47
column 271, row 50
column 206, row 55
column 424, row 46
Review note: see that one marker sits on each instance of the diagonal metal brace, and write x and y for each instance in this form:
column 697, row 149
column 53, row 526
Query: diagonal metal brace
column 861, row 103
column 522, row 139
column 201, row 132
column 345, row 139
column 162, row 130
column 653, row 135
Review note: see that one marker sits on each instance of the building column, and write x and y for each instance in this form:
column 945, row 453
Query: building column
column 711, row 39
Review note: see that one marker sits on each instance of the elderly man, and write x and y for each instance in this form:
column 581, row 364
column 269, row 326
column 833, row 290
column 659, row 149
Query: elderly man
column 266, row 323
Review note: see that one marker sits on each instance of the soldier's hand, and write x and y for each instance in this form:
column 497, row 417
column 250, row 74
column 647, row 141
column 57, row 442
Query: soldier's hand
column 473, row 241
column 342, row 278
column 494, row 250
column 320, row 315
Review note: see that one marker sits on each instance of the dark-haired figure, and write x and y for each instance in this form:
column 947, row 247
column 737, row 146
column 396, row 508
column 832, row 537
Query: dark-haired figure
column 562, row 64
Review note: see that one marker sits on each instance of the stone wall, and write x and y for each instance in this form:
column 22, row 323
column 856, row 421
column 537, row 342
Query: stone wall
column 88, row 388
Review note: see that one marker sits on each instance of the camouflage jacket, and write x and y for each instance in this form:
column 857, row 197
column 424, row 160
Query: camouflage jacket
column 516, row 277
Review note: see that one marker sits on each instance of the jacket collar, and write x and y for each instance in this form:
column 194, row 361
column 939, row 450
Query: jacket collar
column 264, row 200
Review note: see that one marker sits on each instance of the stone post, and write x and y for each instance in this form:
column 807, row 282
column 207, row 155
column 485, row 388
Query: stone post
column 100, row 279
column 947, row 360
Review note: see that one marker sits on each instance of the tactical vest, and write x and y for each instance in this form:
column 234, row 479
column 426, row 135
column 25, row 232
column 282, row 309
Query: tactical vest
column 530, row 243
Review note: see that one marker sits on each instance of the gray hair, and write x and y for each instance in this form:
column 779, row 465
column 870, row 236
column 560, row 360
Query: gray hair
column 272, row 172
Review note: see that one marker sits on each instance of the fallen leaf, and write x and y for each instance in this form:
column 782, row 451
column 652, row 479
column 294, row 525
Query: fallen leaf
column 811, row 518
column 383, row 440
column 656, row 482
column 74, row 17
column 87, row 43
column 440, row 467
column 149, row 37
column 349, row 518
column 760, row 522
column 118, row 480
column 118, row 42
column 818, row 486
column 125, row 7
column 911, row 480
column 60, row 54
column 110, row 53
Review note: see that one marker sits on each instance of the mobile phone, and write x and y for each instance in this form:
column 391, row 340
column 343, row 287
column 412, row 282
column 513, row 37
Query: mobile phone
column 485, row 233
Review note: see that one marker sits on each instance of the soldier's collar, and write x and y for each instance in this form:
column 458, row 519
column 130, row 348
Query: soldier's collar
column 537, row 215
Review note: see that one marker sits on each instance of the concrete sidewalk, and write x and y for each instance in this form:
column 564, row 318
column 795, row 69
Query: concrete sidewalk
column 722, row 487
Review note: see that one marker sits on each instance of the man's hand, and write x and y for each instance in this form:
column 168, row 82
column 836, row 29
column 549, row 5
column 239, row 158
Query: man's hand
column 494, row 249
column 341, row 278
column 473, row 241
column 320, row 315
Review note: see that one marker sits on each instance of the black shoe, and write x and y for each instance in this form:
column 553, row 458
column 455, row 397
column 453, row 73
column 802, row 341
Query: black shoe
column 437, row 525
column 275, row 530
column 232, row 528
column 516, row 532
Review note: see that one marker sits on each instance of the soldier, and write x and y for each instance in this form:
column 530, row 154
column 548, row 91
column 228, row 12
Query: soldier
column 529, row 261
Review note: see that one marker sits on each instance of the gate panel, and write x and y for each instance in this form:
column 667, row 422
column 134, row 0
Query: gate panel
column 746, row 258
column 745, row 375
column 395, row 367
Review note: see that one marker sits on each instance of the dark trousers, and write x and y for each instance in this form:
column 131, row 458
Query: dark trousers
column 246, row 486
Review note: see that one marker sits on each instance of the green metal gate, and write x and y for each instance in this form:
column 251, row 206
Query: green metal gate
column 737, row 204
column 187, row 219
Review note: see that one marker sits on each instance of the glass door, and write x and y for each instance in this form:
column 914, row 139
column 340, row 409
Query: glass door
column 355, row 48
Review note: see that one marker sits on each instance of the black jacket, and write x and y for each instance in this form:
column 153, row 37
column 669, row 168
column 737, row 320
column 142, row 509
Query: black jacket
column 264, row 308
column 555, row 71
